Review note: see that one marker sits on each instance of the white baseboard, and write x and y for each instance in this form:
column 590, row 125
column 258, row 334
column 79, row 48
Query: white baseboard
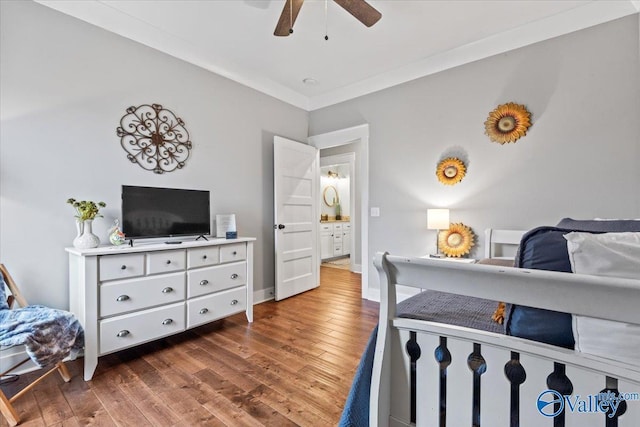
column 403, row 294
column 263, row 295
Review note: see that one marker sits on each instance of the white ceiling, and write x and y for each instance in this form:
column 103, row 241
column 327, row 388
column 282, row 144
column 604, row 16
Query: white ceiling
column 234, row 38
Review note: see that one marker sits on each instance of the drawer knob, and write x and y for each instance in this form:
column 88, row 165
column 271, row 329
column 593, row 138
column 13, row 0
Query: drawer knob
column 234, row 302
column 122, row 298
column 234, row 276
column 204, row 282
column 204, row 257
column 124, row 267
column 167, row 321
column 204, row 311
column 123, row 333
column 167, row 290
column 168, row 261
column 235, row 253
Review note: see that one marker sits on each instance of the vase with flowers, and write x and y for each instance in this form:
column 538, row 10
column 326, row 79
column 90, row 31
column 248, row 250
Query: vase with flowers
column 86, row 212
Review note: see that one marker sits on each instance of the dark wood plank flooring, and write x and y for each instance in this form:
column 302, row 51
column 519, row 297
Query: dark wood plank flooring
column 292, row 367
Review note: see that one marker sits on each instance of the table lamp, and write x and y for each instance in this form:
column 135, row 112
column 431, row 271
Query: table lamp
column 437, row 219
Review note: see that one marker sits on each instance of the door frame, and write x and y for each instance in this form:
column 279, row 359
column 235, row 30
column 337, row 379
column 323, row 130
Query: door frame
column 346, row 136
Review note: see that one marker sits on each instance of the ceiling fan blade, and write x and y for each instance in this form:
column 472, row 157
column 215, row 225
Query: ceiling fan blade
column 361, row 10
column 288, row 17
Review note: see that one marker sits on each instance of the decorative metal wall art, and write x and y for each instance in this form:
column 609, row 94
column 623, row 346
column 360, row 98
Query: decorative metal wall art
column 451, row 170
column 457, row 240
column 154, row 138
column 507, row 123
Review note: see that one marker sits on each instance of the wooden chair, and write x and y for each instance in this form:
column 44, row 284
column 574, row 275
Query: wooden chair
column 6, row 404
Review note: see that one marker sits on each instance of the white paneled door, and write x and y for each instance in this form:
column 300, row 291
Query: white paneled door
column 296, row 198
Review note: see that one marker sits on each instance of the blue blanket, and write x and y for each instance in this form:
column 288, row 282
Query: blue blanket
column 49, row 335
column 356, row 408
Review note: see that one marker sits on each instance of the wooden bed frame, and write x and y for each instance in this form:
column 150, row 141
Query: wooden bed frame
column 468, row 385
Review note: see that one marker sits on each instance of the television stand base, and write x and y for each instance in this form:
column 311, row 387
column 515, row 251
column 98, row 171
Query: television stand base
column 202, row 236
column 173, row 242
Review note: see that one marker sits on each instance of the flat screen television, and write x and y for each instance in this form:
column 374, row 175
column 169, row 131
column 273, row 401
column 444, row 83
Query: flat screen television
column 164, row 212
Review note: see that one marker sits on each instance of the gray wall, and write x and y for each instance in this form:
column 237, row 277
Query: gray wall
column 580, row 158
column 64, row 87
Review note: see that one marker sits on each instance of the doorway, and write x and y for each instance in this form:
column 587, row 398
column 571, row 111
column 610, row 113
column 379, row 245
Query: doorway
column 337, row 207
column 353, row 140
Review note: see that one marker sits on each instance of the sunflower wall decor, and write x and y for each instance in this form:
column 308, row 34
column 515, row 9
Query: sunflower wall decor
column 451, row 170
column 507, row 123
column 457, row 240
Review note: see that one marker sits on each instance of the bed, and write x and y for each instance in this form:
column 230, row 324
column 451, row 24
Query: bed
column 439, row 373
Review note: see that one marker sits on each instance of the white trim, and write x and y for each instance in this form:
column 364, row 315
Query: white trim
column 263, row 295
column 579, row 18
column 343, row 137
column 104, row 15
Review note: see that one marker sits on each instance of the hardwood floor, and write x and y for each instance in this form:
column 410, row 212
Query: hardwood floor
column 292, row 366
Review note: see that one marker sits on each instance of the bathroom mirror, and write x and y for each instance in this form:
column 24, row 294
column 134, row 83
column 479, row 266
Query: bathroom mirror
column 330, row 196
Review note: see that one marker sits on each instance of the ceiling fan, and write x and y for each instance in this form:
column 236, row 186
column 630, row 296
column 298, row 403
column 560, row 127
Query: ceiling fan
column 360, row 9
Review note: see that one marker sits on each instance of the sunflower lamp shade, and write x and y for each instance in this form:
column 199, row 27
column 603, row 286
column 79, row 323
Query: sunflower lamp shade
column 437, row 219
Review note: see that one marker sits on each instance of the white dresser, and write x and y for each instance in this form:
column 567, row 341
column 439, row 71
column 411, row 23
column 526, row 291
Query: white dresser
column 125, row 296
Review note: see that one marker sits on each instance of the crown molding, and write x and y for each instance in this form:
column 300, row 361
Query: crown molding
column 103, row 15
column 582, row 17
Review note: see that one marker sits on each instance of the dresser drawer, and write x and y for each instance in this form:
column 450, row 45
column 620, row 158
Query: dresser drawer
column 233, row 252
column 212, row 279
column 337, row 227
column 120, row 266
column 216, row 306
column 203, row 257
column 166, row 261
column 326, row 228
column 128, row 295
column 346, row 226
column 135, row 328
column 337, row 249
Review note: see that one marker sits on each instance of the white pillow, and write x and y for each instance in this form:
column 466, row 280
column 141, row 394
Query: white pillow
column 612, row 255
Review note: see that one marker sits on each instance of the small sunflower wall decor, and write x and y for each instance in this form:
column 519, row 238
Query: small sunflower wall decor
column 451, row 170
column 507, row 123
column 457, row 240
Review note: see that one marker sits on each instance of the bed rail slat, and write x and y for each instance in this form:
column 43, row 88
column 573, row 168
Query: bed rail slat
column 631, row 417
column 584, row 383
column 428, row 390
column 496, row 389
column 459, row 384
column 401, row 381
column 537, row 371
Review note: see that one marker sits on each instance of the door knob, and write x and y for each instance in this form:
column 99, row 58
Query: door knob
column 280, row 226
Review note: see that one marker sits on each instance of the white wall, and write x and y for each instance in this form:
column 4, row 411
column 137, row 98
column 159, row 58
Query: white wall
column 64, row 86
column 342, row 186
column 579, row 159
